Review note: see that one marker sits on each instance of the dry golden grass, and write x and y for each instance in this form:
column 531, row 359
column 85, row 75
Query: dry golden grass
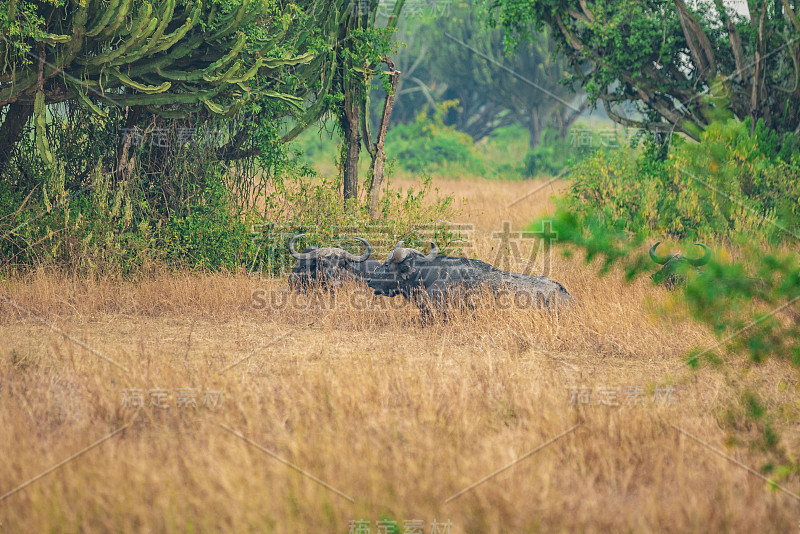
column 396, row 416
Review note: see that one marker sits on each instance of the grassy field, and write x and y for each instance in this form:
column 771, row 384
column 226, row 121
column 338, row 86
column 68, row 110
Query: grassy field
column 387, row 420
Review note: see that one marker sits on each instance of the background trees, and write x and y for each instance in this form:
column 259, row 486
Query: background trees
column 455, row 56
column 662, row 55
column 123, row 113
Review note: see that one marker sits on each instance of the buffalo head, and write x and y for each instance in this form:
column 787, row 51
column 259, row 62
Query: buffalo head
column 676, row 265
column 400, row 271
column 325, row 266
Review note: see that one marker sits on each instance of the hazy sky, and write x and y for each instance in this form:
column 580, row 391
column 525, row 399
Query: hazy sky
column 740, row 6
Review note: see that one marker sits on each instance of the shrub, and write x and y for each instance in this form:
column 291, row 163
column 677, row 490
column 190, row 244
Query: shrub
column 698, row 191
column 198, row 214
column 212, row 235
column 427, row 144
column 731, row 187
column 305, row 203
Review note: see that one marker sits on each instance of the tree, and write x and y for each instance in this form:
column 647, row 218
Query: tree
column 361, row 49
column 166, row 57
column 526, row 86
column 242, row 66
column 662, row 55
column 458, row 58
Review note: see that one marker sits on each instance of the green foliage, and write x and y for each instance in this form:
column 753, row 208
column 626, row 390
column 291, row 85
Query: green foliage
column 731, row 183
column 125, row 230
column 500, row 151
column 730, row 188
column 172, row 56
column 427, row 144
column 318, row 144
column 555, row 153
column 211, row 236
column 302, row 203
column 659, row 53
column 120, row 229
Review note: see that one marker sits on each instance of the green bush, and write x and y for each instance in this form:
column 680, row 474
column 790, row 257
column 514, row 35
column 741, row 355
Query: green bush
column 733, row 188
column 729, row 184
column 427, row 145
column 212, row 235
column 115, row 231
column 303, row 203
column 198, row 214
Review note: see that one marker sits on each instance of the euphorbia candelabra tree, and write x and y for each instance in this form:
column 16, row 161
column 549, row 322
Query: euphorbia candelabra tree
column 169, row 57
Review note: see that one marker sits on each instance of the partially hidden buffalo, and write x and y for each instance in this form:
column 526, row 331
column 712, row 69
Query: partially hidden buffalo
column 328, row 267
column 676, row 265
column 434, row 281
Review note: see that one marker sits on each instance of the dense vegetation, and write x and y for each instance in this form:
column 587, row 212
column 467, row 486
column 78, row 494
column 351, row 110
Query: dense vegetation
column 661, row 55
column 136, row 133
column 736, row 191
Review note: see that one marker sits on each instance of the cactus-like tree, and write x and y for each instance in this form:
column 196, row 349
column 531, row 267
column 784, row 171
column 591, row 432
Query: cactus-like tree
column 167, row 57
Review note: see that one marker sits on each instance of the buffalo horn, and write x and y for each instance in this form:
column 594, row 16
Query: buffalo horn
column 655, row 257
column 300, row 255
column 363, row 257
column 697, row 262
column 432, row 254
column 398, row 254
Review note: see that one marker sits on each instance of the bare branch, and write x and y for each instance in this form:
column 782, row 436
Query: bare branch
column 699, row 44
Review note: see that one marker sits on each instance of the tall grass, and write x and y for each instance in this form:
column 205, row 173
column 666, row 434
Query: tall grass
column 396, row 416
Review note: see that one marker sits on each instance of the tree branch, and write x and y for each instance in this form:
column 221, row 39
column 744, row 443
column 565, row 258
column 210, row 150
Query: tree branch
column 760, row 45
column 698, row 41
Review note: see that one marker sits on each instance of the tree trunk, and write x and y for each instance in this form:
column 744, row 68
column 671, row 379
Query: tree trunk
column 535, row 129
column 11, row 130
column 379, row 156
column 352, row 140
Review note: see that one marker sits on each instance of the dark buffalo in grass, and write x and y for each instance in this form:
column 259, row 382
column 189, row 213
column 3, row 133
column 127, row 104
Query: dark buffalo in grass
column 676, row 265
column 328, row 267
column 435, row 282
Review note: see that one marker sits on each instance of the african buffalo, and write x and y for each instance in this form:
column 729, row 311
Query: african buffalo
column 328, row 266
column 676, row 265
column 434, row 281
